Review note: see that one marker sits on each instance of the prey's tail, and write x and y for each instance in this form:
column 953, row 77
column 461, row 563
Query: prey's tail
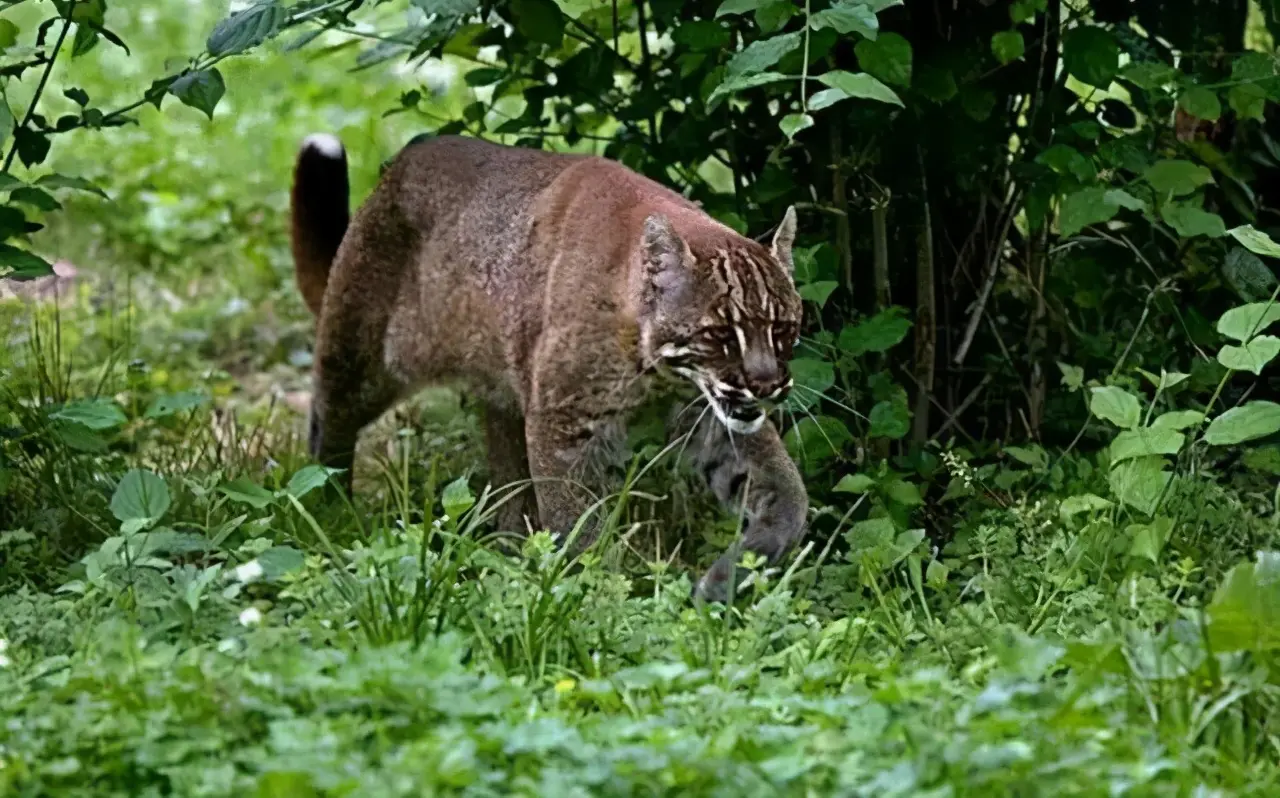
column 320, row 212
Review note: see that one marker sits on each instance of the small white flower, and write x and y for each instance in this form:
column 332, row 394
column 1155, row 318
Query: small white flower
column 249, row 571
column 5, row 661
column 251, row 617
column 227, row 646
column 4, row 645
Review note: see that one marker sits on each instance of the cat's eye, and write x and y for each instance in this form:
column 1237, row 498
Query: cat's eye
column 722, row 336
column 786, row 336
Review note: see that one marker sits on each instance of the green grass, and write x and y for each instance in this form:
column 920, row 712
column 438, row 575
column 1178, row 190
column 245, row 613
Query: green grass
column 187, row 612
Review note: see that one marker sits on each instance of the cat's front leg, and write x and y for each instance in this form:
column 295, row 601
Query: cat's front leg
column 754, row 475
column 571, row 460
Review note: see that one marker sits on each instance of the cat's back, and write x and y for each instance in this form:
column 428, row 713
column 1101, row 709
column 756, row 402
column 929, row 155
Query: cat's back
column 471, row 183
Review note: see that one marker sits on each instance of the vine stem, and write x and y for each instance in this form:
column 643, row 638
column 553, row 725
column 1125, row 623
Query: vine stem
column 44, row 81
column 804, row 67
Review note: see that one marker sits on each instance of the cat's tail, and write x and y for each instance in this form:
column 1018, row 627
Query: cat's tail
column 320, row 213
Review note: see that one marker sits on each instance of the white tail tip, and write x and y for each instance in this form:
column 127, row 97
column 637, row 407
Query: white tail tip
column 324, row 144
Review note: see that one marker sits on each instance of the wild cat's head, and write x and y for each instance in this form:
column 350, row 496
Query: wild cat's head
column 724, row 315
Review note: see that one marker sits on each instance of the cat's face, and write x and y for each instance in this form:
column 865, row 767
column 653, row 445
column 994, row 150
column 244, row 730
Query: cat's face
column 727, row 320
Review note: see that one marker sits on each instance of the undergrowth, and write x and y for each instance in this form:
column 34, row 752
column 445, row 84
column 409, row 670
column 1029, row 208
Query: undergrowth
column 188, row 610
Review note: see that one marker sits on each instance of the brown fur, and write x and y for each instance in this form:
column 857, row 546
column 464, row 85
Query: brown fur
column 562, row 290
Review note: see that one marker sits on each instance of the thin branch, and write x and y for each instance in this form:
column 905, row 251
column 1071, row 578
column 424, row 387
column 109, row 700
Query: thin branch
column 44, row 81
column 993, row 270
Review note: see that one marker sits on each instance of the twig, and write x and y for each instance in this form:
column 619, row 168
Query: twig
column 954, row 416
column 44, row 81
column 993, row 271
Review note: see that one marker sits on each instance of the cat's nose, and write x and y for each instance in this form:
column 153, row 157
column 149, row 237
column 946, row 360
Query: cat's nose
column 760, row 368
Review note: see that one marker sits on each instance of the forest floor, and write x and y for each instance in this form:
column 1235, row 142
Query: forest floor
column 186, row 612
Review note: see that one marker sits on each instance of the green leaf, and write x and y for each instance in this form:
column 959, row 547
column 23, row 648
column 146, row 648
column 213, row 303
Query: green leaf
column 200, row 90
column 280, row 561
column 774, row 15
column 20, row 264
column 847, row 17
column 845, row 85
column 1072, row 376
column 762, row 54
column 1133, row 443
column 1247, row 275
column 173, row 403
column 1255, row 241
column 13, row 222
column 701, row 35
column 1032, row 455
column 812, row 378
column 1177, row 177
column 244, row 491
column 1150, row 75
column 457, row 498
column 63, row 181
column 1246, row 321
column 8, row 34
column 1084, row 503
column 245, row 28
column 1189, row 221
column 935, row 575
column 36, row 198
column 1085, row 207
column 485, row 76
column 904, row 493
column 6, row 125
column 308, row 478
column 818, row 292
column 1251, row 357
column 33, row 146
column 1116, row 405
column 1178, row 419
column 1147, row 540
column 741, row 82
column 96, row 414
column 738, row 7
column 880, row 333
column 791, row 124
column 1244, row 614
column 815, row 440
column 889, row 419
column 1068, row 161
column 80, row 438
column 1007, row 46
column 140, row 495
column 872, row 536
column 935, row 83
column 854, row 483
column 1248, row 101
column 449, row 12
column 1091, row 55
column 1245, row 423
column 1202, row 103
column 1140, row 483
column 539, row 21
column 887, row 58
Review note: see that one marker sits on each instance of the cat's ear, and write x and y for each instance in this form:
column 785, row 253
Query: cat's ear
column 666, row 259
column 784, row 239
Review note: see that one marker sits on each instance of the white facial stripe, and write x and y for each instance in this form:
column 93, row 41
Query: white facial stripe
column 742, row 338
column 745, row 427
column 671, row 350
column 732, row 424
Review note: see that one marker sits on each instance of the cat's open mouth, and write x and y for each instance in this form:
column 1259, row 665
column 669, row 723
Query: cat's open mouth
column 745, row 418
column 741, row 414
